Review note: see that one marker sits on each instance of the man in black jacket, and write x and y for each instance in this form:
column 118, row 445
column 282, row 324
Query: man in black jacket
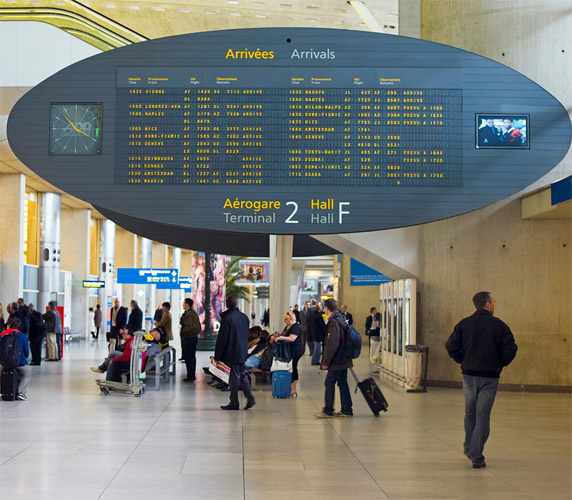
column 483, row 345
column 232, row 349
column 118, row 320
column 37, row 335
column 135, row 318
column 317, row 332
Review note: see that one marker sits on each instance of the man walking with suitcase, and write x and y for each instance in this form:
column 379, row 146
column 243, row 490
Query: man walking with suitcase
column 483, row 345
column 337, row 362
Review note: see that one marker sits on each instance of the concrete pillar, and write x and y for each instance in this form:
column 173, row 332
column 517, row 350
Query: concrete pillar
column 106, row 266
column 50, row 249
column 176, row 294
column 13, row 192
column 280, row 278
column 144, row 292
column 410, row 18
column 75, row 232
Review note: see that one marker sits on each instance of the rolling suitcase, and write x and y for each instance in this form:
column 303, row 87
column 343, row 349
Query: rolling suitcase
column 281, row 384
column 9, row 384
column 372, row 394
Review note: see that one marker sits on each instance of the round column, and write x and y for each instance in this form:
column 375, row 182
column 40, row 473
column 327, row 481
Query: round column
column 50, row 249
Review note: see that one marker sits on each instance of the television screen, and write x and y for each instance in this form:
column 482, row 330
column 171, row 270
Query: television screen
column 502, row 131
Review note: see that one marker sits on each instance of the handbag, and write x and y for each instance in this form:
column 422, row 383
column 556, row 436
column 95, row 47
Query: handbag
column 279, row 366
column 282, row 351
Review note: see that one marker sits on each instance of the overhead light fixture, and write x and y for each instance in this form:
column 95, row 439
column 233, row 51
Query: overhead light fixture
column 184, row 11
column 159, row 9
column 109, row 6
column 134, row 7
column 235, row 14
column 210, row 12
column 232, row 2
column 260, row 16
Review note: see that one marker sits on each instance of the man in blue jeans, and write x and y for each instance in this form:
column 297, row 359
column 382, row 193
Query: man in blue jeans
column 336, row 362
column 483, row 345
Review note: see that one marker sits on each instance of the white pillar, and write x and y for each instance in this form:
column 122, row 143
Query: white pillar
column 147, row 304
column 176, row 294
column 75, row 257
column 281, row 249
column 50, row 249
column 12, row 195
column 106, row 266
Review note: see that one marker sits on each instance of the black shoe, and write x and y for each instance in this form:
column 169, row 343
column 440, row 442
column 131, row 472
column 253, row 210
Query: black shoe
column 219, row 385
column 230, row 407
column 225, row 388
column 211, row 382
column 467, row 454
column 188, row 379
column 32, row 363
column 479, row 465
column 206, row 370
column 250, row 404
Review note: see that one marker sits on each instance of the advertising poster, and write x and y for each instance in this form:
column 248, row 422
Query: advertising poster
column 217, row 286
column 198, row 286
column 259, row 271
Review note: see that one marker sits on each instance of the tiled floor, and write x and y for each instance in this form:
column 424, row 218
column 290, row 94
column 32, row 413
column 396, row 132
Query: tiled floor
column 69, row 442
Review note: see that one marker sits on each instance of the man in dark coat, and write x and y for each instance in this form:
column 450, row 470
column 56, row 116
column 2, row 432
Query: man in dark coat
column 336, row 361
column 232, row 349
column 135, row 318
column 37, row 335
column 25, row 317
column 483, row 345
column 118, row 320
column 317, row 332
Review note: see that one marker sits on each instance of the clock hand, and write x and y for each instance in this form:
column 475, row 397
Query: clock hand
column 74, row 127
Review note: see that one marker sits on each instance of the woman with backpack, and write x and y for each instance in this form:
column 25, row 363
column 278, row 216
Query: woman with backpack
column 14, row 351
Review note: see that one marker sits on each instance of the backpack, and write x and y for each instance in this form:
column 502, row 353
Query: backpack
column 11, row 354
column 352, row 339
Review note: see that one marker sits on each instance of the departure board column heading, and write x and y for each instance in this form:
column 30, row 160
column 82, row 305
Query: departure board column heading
column 213, row 77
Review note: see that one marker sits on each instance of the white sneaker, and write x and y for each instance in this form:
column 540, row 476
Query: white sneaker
column 21, row 397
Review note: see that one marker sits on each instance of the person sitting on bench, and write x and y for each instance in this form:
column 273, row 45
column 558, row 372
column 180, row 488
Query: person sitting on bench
column 118, row 365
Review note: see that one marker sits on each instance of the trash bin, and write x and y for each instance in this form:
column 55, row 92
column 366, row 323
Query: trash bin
column 416, row 368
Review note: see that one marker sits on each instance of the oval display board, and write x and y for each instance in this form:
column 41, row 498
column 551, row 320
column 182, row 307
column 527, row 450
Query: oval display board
column 287, row 131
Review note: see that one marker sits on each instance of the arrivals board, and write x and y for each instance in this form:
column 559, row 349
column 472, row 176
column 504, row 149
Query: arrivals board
column 286, row 131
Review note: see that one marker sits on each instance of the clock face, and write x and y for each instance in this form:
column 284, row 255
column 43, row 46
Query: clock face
column 75, row 129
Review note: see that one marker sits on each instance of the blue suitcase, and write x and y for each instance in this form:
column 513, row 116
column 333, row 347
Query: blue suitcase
column 281, row 384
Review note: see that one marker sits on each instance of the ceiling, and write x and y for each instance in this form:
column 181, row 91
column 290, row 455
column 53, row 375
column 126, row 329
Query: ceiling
column 138, row 20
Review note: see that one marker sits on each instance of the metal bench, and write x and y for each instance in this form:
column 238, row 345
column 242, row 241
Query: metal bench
column 165, row 366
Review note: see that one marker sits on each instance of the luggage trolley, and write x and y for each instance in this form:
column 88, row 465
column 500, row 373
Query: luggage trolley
column 135, row 385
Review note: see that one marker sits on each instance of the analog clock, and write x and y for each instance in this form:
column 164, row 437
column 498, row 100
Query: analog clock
column 75, row 129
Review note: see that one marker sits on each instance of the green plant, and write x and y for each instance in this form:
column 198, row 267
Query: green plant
column 234, row 273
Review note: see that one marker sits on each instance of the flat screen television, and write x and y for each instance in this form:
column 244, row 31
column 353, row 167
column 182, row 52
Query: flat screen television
column 502, row 131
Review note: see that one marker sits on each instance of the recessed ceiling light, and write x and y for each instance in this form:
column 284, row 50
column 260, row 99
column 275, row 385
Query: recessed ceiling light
column 184, row 11
column 134, row 7
column 312, row 7
column 314, row 19
column 59, row 3
column 159, row 9
column 109, row 6
column 393, row 15
column 286, row 5
column 9, row 1
column 232, row 2
column 210, row 12
column 260, row 16
column 35, row 2
column 258, row 3
column 286, row 17
column 338, row 22
column 361, row 24
column 235, row 14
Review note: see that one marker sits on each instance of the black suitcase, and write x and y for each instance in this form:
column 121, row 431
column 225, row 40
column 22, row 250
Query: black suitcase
column 9, row 384
column 372, row 394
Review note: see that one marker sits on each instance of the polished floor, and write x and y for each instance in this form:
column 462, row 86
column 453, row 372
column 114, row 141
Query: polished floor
column 70, row 442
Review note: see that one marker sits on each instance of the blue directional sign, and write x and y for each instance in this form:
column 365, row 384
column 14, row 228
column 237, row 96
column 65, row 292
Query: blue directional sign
column 362, row 275
column 185, row 283
column 166, row 278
